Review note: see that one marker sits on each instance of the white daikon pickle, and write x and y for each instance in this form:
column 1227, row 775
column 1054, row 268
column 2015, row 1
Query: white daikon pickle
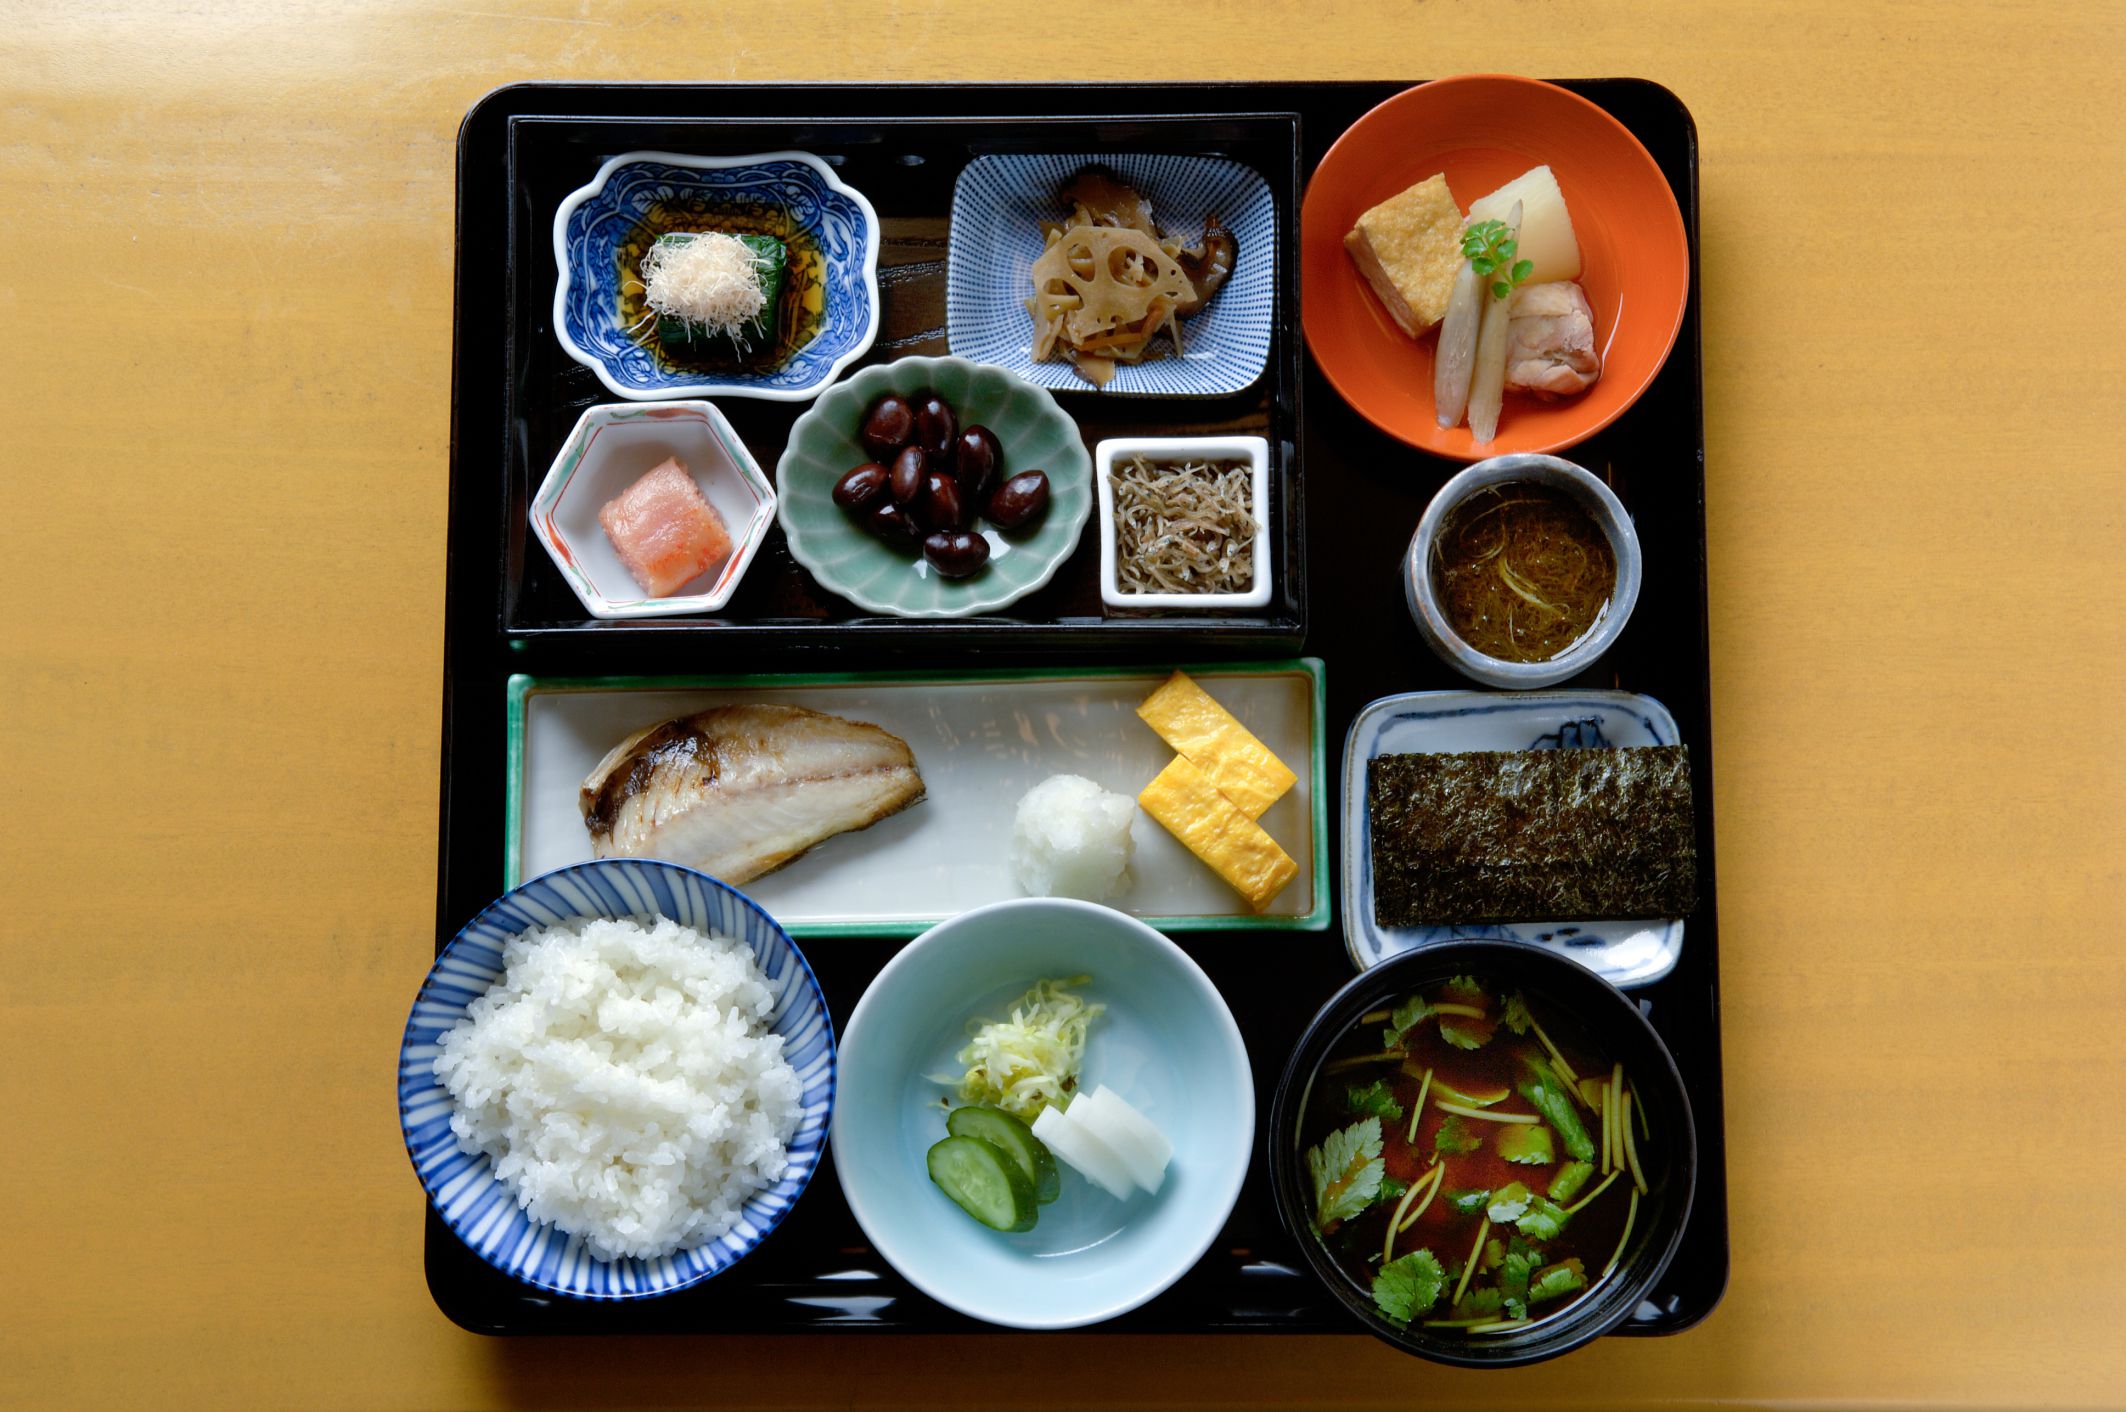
column 1546, row 226
column 1456, row 354
column 1132, row 1136
column 1084, row 1153
column 1487, row 381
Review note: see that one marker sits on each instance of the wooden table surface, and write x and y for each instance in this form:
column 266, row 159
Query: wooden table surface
column 225, row 259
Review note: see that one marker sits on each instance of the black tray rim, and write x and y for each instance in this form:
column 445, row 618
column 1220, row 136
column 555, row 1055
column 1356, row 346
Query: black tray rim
column 481, row 112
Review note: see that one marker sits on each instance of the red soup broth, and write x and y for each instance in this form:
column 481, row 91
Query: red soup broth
column 1592, row 1233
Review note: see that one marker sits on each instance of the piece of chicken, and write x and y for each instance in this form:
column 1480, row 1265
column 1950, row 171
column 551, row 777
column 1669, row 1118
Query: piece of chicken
column 1550, row 341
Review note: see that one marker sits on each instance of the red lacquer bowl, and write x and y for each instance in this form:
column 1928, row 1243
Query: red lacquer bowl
column 1482, row 130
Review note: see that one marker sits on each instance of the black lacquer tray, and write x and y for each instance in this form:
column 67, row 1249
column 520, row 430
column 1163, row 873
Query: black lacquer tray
column 1349, row 494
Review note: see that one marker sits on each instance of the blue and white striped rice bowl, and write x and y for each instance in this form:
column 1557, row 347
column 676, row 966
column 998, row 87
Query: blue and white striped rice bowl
column 463, row 1188
column 998, row 205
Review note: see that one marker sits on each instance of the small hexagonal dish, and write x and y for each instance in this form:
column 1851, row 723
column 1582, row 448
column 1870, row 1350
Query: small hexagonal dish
column 612, row 446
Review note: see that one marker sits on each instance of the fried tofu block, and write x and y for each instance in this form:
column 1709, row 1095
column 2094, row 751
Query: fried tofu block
column 1190, row 808
column 1409, row 248
column 1231, row 756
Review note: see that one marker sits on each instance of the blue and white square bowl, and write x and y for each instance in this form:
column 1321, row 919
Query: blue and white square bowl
column 998, row 205
column 602, row 230
column 1624, row 953
column 462, row 1186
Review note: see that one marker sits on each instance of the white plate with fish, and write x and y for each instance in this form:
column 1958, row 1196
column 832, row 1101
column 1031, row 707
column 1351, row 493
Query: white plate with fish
column 1626, row 953
column 895, row 854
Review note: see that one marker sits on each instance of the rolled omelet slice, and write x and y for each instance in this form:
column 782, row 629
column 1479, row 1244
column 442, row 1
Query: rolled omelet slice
column 1230, row 755
column 1190, row 808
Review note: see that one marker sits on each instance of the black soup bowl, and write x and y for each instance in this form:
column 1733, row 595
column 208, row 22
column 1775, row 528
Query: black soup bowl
column 1552, row 985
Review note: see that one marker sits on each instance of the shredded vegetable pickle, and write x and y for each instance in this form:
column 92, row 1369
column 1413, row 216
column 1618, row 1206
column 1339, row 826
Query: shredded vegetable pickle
column 1029, row 1061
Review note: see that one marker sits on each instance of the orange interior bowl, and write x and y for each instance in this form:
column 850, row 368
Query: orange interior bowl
column 1483, row 130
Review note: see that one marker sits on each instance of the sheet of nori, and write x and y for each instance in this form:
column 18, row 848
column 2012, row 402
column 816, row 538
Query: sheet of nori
column 1532, row 836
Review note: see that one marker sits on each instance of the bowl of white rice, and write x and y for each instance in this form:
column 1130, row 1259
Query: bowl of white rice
column 617, row 1079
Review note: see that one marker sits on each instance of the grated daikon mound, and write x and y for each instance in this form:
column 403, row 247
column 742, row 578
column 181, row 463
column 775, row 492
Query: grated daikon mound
column 1071, row 838
column 712, row 282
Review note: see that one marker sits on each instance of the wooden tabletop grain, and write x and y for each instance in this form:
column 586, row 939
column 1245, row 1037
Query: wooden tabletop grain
column 225, row 324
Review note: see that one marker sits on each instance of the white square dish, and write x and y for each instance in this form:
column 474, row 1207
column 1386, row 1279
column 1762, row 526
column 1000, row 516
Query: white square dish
column 1253, row 449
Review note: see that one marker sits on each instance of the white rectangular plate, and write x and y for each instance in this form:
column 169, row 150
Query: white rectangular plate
column 981, row 740
column 1446, row 722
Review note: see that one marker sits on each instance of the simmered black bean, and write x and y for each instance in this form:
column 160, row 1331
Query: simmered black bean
column 977, row 463
column 942, row 508
column 889, row 424
column 906, row 479
column 861, row 486
column 937, row 426
column 1018, row 501
column 956, row 555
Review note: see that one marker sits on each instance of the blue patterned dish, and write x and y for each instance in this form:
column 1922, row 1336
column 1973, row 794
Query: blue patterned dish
column 830, row 294
column 1425, row 722
column 998, row 205
column 463, row 1188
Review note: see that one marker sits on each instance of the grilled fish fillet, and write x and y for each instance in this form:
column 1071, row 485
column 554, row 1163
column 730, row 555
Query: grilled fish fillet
column 738, row 791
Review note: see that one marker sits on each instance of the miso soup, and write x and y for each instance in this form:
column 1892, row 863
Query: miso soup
column 1474, row 1159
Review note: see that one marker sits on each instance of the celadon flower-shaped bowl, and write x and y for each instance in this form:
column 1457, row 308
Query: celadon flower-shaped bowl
column 850, row 561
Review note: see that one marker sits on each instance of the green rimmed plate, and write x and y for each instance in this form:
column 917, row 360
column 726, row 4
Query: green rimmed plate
column 973, row 741
column 848, row 560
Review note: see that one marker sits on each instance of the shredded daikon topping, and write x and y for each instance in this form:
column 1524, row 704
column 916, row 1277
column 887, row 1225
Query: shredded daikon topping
column 1029, row 1061
column 1184, row 528
column 712, row 282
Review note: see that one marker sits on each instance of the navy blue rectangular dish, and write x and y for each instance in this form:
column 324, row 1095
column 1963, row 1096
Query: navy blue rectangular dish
column 1343, row 508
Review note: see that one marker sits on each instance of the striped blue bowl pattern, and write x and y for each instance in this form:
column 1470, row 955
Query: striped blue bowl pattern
column 997, row 209
column 597, row 219
column 463, row 1188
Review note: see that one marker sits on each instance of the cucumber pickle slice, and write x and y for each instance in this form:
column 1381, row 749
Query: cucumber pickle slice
column 987, row 1184
column 994, row 1125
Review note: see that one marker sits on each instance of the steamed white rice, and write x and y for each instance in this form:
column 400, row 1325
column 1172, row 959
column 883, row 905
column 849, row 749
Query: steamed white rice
column 622, row 1077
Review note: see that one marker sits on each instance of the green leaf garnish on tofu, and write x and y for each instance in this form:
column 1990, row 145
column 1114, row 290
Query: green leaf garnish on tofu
column 1391, row 1189
column 1469, row 1203
column 1570, row 1178
column 1454, row 1138
column 1374, row 1100
column 1545, row 1091
column 1408, row 1285
column 1556, row 1281
column 1527, row 1143
column 1346, row 1170
column 1543, row 1220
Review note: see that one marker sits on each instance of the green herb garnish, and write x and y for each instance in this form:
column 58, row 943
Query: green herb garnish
column 1408, row 1285
column 1469, row 1203
column 1489, row 248
column 1374, row 1100
column 1454, row 1138
column 1347, row 1171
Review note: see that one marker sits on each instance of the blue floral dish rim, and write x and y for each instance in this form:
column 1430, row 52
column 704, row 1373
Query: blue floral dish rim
column 828, row 372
